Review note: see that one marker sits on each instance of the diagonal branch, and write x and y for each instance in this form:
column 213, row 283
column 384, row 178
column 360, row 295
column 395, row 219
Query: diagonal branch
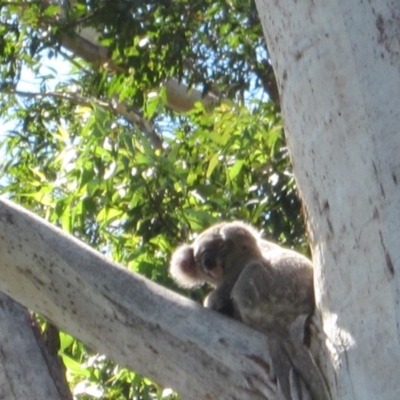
column 179, row 97
column 137, row 323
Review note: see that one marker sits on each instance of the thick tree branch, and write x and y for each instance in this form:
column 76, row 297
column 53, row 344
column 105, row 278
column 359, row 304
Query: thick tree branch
column 139, row 324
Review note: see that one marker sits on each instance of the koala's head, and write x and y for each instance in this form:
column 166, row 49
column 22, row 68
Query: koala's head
column 212, row 254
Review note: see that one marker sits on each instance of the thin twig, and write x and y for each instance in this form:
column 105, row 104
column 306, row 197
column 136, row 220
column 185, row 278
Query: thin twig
column 118, row 108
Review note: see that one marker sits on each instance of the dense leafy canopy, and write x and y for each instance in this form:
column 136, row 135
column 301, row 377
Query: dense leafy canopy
column 72, row 153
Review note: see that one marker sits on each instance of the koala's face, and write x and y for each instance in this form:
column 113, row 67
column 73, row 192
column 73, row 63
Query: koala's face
column 194, row 265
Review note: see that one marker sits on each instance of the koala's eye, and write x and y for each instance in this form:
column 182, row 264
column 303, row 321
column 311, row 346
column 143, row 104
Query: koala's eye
column 208, row 259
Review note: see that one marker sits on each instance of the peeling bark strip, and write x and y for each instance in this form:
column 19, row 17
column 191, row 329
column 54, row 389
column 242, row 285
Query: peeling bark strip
column 137, row 323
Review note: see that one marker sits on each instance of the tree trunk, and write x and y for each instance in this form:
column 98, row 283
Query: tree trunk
column 337, row 66
column 27, row 370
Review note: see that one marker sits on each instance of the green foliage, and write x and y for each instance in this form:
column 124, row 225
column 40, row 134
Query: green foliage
column 93, row 376
column 72, row 159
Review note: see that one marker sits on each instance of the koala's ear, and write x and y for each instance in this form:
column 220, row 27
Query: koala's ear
column 183, row 268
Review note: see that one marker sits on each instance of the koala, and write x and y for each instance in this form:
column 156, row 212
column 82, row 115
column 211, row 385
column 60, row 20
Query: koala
column 265, row 286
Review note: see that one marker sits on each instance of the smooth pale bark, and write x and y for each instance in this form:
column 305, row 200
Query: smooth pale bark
column 338, row 70
column 139, row 324
column 27, row 371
